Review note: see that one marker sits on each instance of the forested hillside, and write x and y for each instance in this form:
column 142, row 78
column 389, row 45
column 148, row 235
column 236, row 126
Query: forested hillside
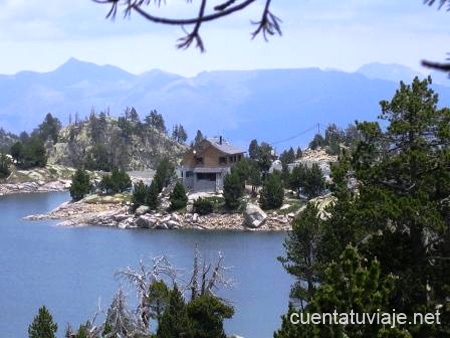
column 101, row 142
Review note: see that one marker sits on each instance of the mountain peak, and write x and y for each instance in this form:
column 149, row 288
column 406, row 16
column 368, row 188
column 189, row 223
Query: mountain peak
column 389, row 71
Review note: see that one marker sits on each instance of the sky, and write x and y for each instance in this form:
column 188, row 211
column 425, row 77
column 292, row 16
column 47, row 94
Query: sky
column 339, row 34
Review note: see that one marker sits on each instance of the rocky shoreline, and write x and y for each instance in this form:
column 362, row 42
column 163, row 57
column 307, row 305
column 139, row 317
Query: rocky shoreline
column 120, row 216
column 34, row 186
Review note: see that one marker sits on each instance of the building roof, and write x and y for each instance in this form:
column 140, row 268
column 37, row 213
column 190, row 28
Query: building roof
column 224, row 146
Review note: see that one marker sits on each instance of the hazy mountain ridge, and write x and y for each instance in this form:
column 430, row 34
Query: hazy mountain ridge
column 268, row 105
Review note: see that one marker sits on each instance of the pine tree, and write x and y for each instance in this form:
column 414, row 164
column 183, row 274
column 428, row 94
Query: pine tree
column 301, row 258
column 80, row 185
column 272, row 193
column 178, row 197
column 253, row 150
column 207, row 313
column 42, row 325
column 175, row 321
column 232, row 190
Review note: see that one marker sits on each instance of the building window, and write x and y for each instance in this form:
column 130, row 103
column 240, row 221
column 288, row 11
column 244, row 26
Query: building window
column 222, row 160
column 239, row 157
column 199, row 160
column 189, row 174
column 206, row 176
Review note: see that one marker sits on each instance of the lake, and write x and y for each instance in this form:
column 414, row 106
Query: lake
column 71, row 270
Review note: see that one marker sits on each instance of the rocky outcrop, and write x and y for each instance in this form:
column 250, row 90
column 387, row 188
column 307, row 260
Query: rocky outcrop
column 254, row 216
column 37, row 186
column 120, row 216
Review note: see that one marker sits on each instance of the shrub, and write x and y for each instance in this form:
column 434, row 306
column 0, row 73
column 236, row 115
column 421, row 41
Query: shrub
column 203, row 206
column 178, row 197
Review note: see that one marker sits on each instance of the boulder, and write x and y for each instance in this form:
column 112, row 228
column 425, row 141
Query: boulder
column 173, row 224
column 143, row 209
column 145, row 221
column 120, row 217
column 254, row 216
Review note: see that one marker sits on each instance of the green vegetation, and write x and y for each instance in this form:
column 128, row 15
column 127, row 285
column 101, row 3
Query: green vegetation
column 179, row 134
column 116, row 182
column 161, row 299
column 42, row 325
column 145, row 195
column 399, row 220
column 156, row 121
column 81, row 185
column 232, row 190
column 335, row 139
column 164, row 174
column 272, row 192
column 178, row 197
column 5, row 164
column 203, row 206
column 307, row 180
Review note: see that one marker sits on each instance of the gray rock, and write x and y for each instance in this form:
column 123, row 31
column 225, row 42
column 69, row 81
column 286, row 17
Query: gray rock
column 145, row 221
column 173, row 224
column 121, row 217
column 195, row 218
column 143, row 209
column 254, row 216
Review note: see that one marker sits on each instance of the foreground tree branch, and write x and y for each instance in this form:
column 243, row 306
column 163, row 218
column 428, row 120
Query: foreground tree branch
column 444, row 67
column 269, row 24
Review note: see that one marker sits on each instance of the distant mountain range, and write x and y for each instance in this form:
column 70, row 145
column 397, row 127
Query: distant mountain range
column 269, row 105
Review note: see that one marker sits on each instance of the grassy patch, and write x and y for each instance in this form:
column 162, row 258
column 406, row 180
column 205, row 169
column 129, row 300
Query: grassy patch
column 114, row 199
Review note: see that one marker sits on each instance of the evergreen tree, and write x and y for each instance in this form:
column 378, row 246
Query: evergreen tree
column 272, row 193
column 350, row 284
column 317, row 142
column 42, row 325
column 80, row 185
column 232, row 190
column 298, row 153
column 198, row 137
column 309, row 181
column 301, row 258
column 175, row 321
column 49, row 128
column 265, row 157
column 4, row 165
column 152, row 199
column 140, row 193
column 164, row 173
column 120, row 181
column 178, row 197
column 207, row 313
column 179, row 133
column 158, row 298
column 156, row 121
column 253, row 150
column 17, row 152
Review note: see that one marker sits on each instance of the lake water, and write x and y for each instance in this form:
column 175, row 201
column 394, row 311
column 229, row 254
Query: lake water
column 71, row 269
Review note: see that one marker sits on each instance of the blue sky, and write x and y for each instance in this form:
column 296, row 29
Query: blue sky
column 343, row 34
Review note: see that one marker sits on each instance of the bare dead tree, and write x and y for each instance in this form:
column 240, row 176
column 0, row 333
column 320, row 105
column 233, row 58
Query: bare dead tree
column 143, row 278
column 268, row 24
column 210, row 277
